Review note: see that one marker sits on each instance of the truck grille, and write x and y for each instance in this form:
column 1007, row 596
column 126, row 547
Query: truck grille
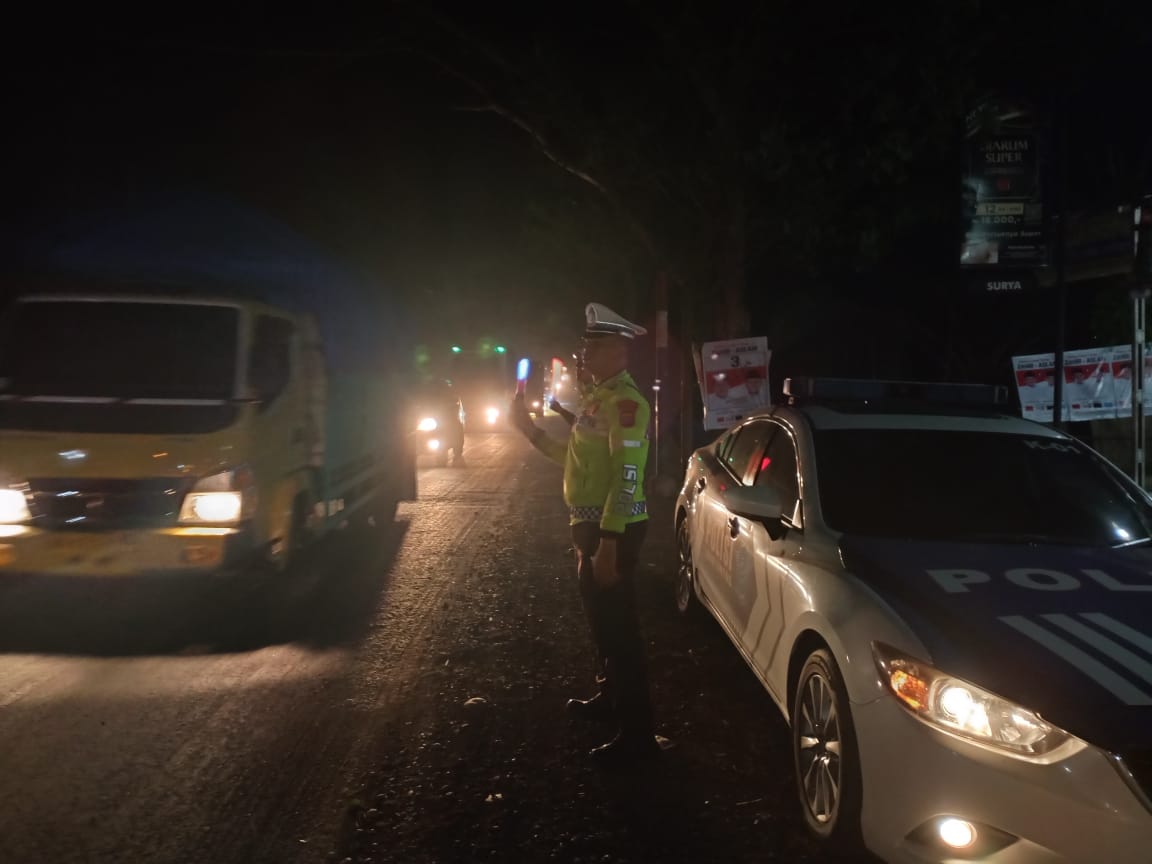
column 106, row 504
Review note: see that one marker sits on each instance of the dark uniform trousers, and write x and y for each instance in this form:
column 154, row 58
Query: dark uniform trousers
column 615, row 625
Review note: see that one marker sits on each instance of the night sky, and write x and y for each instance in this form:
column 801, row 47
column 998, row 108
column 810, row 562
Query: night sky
column 353, row 128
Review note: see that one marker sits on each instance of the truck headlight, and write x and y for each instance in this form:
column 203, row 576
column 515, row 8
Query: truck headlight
column 212, row 507
column 968, row 711
column 428, row 424
column 13, row 507
column 223, row 498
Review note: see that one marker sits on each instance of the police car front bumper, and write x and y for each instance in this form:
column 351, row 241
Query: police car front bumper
column 1077, row 810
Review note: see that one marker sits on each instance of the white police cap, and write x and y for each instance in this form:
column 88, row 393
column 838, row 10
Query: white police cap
column 602, row 321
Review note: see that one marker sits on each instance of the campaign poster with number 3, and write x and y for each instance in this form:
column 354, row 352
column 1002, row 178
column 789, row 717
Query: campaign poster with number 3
column 734, row 380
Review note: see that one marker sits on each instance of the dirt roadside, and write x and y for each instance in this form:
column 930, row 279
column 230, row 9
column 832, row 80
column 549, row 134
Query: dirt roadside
column 482, row 764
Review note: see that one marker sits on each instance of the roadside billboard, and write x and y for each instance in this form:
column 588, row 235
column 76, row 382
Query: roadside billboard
column 1004, row 219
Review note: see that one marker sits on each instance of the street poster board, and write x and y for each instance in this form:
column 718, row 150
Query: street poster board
column 1035, row 386
column 1088, row 388
column 1097, row 383
column 1122, row 379
column 734, row 380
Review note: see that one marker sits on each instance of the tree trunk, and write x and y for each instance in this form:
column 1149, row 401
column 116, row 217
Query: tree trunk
column 731, row 318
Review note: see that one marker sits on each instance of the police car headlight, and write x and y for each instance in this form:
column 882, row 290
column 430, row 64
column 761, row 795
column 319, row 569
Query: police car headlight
column 428, row 424
column 222, row 498
column 13, row 507
column 963, row 709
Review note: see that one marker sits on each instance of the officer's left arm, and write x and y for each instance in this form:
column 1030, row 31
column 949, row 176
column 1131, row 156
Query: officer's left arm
column 628, row 454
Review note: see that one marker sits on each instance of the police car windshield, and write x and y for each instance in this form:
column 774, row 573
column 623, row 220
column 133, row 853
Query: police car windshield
column 975, row 486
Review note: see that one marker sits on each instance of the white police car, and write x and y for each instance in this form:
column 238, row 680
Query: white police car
column 953, row 609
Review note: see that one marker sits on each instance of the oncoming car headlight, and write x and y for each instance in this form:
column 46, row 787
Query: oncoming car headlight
column 963, row 709
column 223, row 498
column 428, row 424
column 13, row 507
column 492, row 414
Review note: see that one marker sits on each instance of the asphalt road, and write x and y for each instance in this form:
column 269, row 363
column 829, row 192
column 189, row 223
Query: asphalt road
column 400, row 701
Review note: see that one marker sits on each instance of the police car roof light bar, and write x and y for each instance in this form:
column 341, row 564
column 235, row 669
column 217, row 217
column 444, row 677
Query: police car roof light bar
column 867, row 390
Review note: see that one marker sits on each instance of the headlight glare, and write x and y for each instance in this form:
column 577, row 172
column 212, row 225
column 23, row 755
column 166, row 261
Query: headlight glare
column 492, row 413
column 226, row 497
column 971, row 712
column 13, row 507
column 212, row 507
column 427, row 424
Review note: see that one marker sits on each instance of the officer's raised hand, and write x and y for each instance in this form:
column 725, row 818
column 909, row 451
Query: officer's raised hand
column 568, row 416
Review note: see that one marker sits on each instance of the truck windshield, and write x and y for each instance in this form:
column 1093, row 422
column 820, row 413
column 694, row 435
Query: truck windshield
column 123, row 350
column 976, row 487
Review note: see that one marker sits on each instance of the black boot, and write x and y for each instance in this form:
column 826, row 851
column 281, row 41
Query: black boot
column 597, row 709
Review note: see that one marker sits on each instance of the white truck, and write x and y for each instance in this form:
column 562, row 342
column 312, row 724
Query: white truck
column 146, row 427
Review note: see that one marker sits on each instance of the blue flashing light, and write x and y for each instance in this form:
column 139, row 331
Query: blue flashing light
column 522, row 369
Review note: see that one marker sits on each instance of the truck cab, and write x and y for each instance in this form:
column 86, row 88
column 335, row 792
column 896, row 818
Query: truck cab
column 150, row 432
column 437, row 420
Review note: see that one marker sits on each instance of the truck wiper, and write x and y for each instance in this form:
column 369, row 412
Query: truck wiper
column 72, row 400
column 116, row 400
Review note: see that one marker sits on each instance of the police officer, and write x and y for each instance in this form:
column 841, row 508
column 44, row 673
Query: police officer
column 604, row 459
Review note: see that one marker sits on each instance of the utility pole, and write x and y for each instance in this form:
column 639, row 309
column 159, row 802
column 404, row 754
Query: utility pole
column 1142, row 273
column 661, row 334
column 1061, row 238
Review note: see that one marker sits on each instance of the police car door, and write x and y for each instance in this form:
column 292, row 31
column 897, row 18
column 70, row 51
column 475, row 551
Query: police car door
column 774, row 545
column 721, row 539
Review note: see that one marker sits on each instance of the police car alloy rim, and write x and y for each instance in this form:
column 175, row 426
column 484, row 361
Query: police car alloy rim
column 825, row 755
column 684, row 572
column 820, row 749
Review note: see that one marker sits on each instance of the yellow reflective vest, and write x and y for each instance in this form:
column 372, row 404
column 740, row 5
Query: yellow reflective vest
column 604, row 456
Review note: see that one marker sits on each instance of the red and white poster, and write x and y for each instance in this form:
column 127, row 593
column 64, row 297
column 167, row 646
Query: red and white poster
column 1097, row 383
column 1036, row 386
column 734, row 380
column 1122, row 379
column 1088, row 390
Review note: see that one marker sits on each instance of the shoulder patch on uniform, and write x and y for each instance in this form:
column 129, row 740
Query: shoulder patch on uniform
column 627, row 410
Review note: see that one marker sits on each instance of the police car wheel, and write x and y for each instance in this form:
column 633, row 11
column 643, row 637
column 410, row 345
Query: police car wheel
column 685, row 572
column 824, row 753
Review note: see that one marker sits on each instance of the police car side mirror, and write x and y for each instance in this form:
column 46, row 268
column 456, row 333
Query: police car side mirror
column 754, row 502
